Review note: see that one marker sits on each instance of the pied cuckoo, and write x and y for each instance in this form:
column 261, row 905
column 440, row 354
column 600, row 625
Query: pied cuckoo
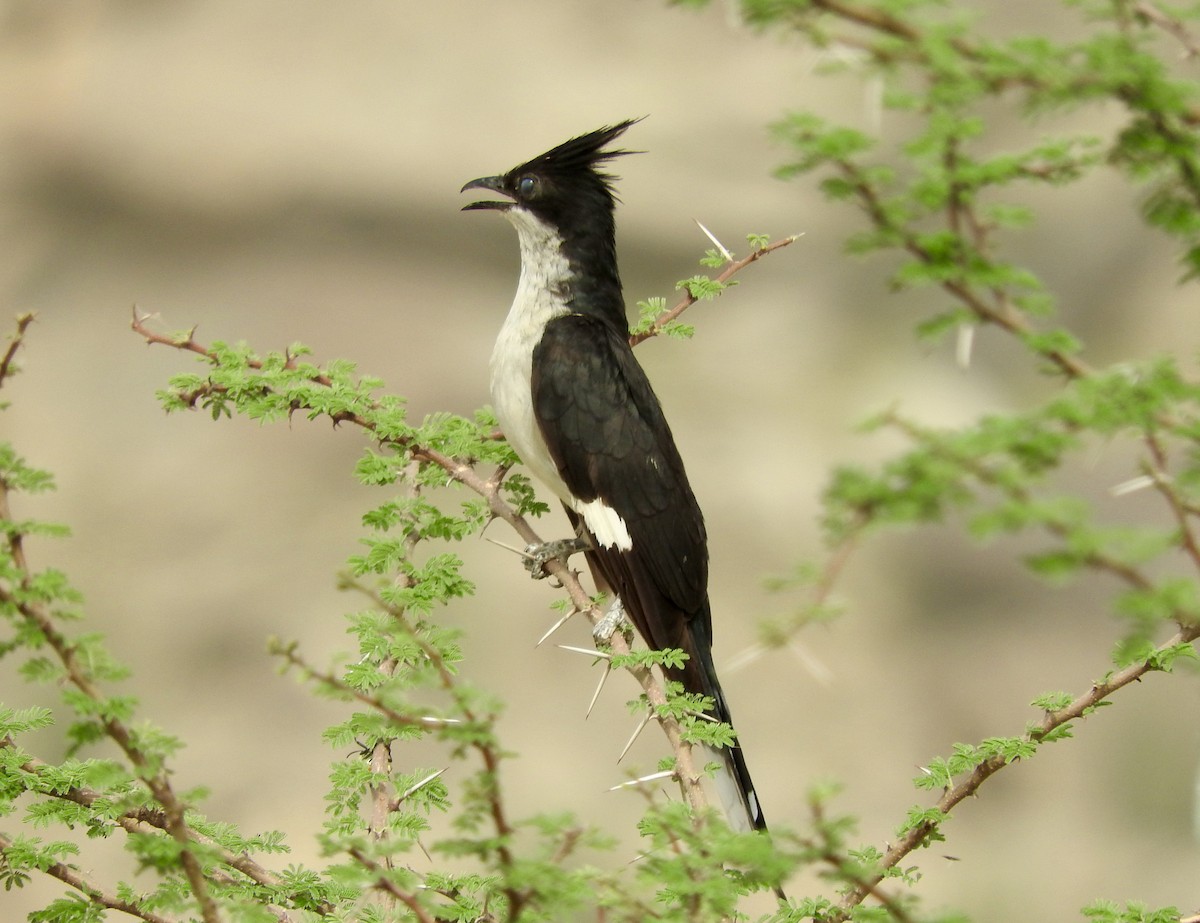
column 578, row 409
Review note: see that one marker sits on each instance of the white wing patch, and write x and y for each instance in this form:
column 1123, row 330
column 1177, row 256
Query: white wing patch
column 605, row 524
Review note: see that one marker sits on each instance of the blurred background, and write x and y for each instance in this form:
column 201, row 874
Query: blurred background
column 288, row 170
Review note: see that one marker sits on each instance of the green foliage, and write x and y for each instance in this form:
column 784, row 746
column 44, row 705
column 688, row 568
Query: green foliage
column 1133, row 912
column 943, row 202
column 943, row 197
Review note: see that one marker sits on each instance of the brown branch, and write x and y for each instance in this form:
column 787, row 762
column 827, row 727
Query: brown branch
column 14, row 343
column 687, row 299
column 919, row 835
column 385, row 884
column 74, row 879
column 826, row 850
column 150, row 821
column 488, row 754
column 1157, row 471
column 155, row 779
column 490, row 490
column 976, row 468
column 1000, row 313
column 872, row 21
column 869, row 18
column 1172, row 26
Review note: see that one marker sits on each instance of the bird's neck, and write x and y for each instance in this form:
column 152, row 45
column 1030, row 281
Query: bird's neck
column 578, row 270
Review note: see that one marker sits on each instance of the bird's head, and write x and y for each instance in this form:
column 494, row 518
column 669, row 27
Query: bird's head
column 563, row 188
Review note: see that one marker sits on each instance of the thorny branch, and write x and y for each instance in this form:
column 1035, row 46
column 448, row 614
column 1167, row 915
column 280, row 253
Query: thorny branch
column 993, row 308
column 145, row 820
column 688, row 299
column 386, row 885
column 489, row 488
column 6, row 366
column 889, row 40
column 1173, row 26
column 73, row 879
column 150, row 771
column 919, row 834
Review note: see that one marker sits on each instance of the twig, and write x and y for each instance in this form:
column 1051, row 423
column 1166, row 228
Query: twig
column 1157, row 471
column 687, row 300
column 72, row 878
column 1169, row 24
column 146, row 821
column 842, row 866
column 871, row 20
column 918, row 835
column 155, row 779
column 385, row 884
column 490, row 490
column 14, row 343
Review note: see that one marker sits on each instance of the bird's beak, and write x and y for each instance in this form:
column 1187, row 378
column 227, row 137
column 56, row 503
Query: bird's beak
column 495, row 184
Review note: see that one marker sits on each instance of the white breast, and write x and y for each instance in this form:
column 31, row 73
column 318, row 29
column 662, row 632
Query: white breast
column 544, row 276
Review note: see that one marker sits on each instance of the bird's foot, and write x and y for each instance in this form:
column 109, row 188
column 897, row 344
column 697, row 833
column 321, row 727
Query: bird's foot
column 538, row 556
column 614, row 620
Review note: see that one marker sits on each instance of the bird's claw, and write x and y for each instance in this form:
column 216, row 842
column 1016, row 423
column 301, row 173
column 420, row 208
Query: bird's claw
column 538, row 556
column 613, row 620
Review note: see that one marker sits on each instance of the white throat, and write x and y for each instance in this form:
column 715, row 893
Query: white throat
column 541, row 297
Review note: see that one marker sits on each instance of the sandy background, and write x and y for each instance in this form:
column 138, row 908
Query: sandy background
column 283, row 171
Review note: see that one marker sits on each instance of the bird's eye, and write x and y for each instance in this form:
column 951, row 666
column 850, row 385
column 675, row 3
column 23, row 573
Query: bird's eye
column 526, row 185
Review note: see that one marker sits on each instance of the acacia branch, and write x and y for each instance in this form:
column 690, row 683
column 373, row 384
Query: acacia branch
column 14, row 343
column 150, row 821
column 889, row 40
column 919, row 835
column 74, row 879
column 385, row 884
column 463, row 471
column 732, row 268
column 1173, row 26
column 77, row 674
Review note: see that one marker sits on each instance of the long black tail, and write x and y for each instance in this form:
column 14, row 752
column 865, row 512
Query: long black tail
column 663, row 624
column 734, row 786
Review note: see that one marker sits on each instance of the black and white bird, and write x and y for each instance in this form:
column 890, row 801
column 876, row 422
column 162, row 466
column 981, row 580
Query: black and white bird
column 580, row 412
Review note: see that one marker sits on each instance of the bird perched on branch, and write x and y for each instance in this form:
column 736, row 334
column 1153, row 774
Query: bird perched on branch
column 579, row 411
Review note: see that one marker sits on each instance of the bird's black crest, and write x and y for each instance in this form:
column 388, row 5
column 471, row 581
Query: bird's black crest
column 585, row 152
column 562, row 181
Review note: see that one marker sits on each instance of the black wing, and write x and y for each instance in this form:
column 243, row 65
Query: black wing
column 606, row 432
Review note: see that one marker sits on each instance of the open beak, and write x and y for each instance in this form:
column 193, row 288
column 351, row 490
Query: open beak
column 495, row 184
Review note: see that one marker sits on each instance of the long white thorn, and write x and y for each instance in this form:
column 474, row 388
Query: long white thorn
column 964, row 344
column 556, row 626
column 517, row 551
column 713, row 237
column 816, row 668
column 636, row 731
column 433, row 721
column 416, row 787
column 1141, row 482
column 653, row 777
column 599, row 686
column 590, row 652
column 745, row 657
